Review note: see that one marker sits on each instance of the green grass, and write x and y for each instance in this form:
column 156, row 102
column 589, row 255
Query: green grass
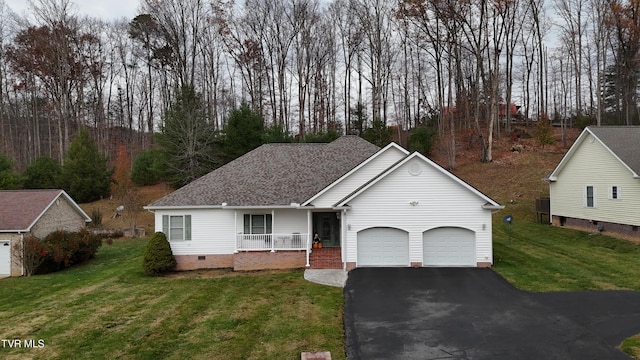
column 546, row 258
column 110, row 309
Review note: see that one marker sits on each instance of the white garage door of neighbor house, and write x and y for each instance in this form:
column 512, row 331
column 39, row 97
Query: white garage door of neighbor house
column 383, row 247
column 449, row 247
column 5, row 257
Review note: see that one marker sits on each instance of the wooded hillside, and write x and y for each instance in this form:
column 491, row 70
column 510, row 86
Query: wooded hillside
column 310, row 67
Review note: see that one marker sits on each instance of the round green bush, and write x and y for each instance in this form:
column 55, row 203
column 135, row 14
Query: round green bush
column 158, row 257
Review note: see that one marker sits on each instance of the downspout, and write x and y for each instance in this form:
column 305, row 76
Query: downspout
column 23, row 254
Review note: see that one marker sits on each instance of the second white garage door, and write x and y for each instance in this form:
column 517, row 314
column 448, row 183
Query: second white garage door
column 449, row 246
column 383, row 247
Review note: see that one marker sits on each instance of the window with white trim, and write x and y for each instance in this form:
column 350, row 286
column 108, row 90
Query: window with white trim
column 614, row 192
column 258, row 224
column 590, row 196
column 177, row 227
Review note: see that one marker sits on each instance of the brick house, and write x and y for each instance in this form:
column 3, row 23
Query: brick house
column 37, row 213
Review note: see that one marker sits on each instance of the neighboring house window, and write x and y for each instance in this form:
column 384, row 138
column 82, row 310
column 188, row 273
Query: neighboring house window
column 590, row 196
column 257, row 224
column 177, row 227
column 615, row 192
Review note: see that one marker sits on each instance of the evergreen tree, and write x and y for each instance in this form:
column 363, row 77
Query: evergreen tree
column 276, row 134
column 378, row 134
column 148, row 167
column 243, row 133
column 43, row 173
column 9, row 179
column 85, row 174
column 187, row 140
column 421, row 139
column 158, row 257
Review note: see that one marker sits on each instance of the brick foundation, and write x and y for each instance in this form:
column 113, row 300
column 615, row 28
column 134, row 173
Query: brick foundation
column 261, row 260
column 416, row 264
column 351, row 266
column 629, row 232
column 483, row 264
column 193, row 262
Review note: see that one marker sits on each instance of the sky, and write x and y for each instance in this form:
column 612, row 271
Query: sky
column 102, row 9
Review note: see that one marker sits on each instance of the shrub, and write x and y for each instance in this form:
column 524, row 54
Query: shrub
column 158, row 257
column 65, row 249
column 96, row 217
column 31, row 254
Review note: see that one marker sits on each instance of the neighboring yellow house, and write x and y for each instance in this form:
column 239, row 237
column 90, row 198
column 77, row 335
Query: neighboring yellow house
column 37, row 213
column 596, row 185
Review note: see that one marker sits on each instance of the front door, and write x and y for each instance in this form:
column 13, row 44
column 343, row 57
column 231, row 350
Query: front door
column 327, row 226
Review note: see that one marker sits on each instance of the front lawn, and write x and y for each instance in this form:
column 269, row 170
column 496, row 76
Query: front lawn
column 109, row 309
column 547, row 258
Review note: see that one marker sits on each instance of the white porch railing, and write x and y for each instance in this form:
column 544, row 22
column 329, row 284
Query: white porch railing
column 273, row 242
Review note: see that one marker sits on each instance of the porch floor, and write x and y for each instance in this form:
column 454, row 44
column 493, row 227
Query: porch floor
column 326, row 258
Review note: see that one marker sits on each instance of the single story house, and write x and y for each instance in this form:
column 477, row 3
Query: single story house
column 596, row 185
column 368, row 206
column 36, row 213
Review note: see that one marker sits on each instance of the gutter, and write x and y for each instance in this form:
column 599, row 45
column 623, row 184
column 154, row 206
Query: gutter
column 225, row 206
column 492, row 207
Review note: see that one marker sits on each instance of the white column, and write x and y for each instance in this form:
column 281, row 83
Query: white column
column 273, row 221
column 309, row 229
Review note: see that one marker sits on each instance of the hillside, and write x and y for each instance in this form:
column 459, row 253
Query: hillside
column 513, row 178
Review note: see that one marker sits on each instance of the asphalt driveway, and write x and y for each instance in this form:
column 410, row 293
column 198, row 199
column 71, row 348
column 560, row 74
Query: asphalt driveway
column 442, row 313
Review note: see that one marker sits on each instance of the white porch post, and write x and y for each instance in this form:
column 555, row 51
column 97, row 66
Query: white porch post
column 235, row 229
column 308, row 246
column 273, row 240
column 343, row 238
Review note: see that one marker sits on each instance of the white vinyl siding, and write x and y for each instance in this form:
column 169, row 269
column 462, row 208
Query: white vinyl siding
column 439, row 202
column 212, row 231
column 593, row 165
column 347, row 185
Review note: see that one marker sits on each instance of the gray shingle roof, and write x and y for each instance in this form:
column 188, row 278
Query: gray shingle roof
column 273, row 174
column 624, row 141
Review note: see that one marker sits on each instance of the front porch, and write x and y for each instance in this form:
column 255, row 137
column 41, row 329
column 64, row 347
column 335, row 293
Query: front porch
column 272, row 242
column 278, row 231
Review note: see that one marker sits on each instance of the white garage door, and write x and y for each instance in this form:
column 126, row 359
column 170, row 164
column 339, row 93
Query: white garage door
column 5, row 258
column 383, row 247
column 449, row 246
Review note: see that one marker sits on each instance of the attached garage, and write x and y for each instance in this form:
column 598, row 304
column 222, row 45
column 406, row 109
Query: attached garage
column 449, row 246
column 381, row 246
column 5, row 258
